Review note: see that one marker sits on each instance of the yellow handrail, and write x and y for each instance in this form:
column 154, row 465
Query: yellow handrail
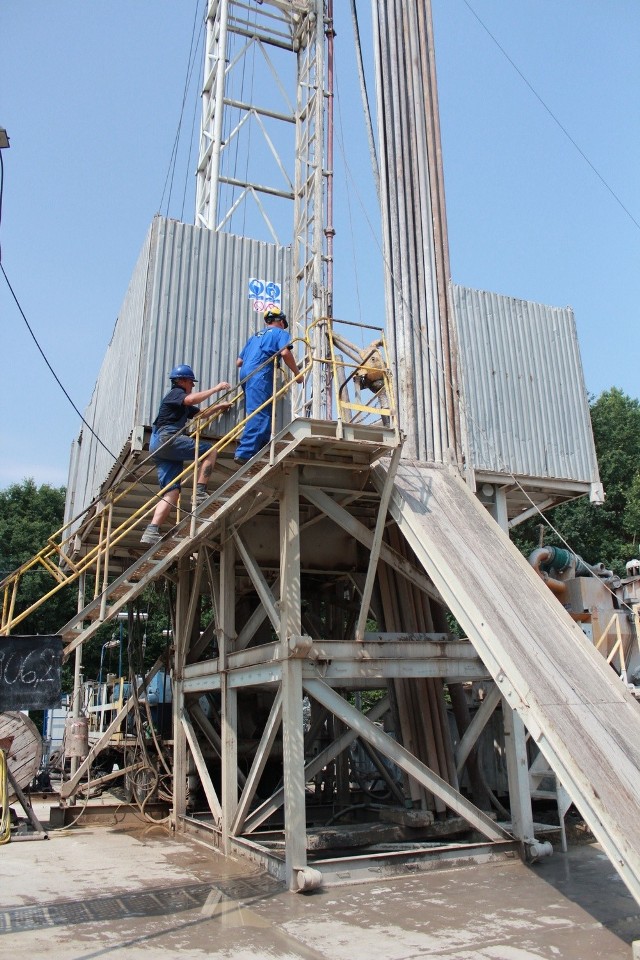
column 96, row 559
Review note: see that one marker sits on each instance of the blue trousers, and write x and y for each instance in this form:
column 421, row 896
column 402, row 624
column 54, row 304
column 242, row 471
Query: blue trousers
column 257, row 432
column 171, row 458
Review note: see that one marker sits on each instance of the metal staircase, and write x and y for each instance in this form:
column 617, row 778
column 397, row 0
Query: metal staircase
column 106, row 537
column 227, row 500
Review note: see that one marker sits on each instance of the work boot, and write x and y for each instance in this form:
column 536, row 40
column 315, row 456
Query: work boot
column 151, row 535
column 201, row 494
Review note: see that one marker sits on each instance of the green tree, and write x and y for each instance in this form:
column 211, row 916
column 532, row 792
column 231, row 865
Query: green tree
column 28, row 516
column 608, row 533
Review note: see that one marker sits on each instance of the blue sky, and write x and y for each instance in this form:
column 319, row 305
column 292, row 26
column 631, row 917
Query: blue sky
column 91, row 94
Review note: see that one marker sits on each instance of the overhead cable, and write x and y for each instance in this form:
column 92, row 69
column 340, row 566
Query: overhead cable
column 555, row 119
column 191, row 60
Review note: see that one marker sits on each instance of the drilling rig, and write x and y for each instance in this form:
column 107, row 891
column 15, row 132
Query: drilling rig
column 364, row 593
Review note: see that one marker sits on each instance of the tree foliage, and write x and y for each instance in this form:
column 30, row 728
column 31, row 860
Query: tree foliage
column 609, row 533
column 28, row 516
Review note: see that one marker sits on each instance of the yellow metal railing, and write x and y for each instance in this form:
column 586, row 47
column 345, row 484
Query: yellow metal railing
column 347, row 373
column 346, row 405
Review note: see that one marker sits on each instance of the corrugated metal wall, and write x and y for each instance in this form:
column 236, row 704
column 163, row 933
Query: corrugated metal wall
column 111, row 410
column 420, row 330
column 187, row 302
column 525, row 400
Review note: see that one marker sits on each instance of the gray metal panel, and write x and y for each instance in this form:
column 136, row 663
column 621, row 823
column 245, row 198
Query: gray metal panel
column 524, row 395
column 420, row 326
column 199, row 312
column 111, row 410
column 187, row 302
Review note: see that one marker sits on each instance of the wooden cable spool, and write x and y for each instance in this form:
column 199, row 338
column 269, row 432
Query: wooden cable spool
column 22, row 744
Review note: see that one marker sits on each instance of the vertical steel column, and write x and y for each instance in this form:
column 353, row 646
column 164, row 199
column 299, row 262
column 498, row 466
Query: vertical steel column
column 419, row 320
column 295, row 830
column 215, row 64
column 77, row 670
column 180, row 643
column 228, row 697
column 515, row 744
column 515, row 735
column 311, row 293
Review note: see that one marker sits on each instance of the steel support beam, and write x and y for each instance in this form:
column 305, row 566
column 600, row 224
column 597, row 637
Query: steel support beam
column 343, row 518
column 257, row 578
column 268, row 807
column 201, row 766
column 181, row 638
column 376, row 545
column 295, row 829
column 228, row 696
column 403, row 759
column 257, row 767
column 477, row 725
column 515, row 745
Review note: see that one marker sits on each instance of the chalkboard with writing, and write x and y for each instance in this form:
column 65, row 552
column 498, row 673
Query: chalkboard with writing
column 30, row 672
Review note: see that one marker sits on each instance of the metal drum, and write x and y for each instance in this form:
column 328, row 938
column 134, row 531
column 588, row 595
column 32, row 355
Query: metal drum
column 76, row 737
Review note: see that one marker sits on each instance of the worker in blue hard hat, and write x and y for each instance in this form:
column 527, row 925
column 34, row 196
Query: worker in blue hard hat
column 171, row 448
column 256, row 374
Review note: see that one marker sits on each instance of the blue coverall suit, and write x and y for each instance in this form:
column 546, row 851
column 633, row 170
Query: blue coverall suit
column 259, row 387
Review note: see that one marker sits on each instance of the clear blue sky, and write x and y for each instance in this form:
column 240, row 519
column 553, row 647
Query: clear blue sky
column 91, row 99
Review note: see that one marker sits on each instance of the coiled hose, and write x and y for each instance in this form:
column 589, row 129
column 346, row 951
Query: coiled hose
column 5, row 817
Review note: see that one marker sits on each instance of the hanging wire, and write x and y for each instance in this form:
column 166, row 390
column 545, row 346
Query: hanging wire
column 30, row 329
column 187, row 81
column 1, row 193
column 250, row 125
column 365, row 99
column 553, row 116
column 128, row 473
column 143, row 790
column 52, row 371
column 340, row 139
column 191, row 142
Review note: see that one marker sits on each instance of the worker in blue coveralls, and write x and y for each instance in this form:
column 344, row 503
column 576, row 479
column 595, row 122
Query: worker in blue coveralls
column 256, row 374
column 171, row 447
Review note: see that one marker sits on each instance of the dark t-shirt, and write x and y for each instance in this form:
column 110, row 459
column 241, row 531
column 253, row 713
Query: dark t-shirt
column 173, row 411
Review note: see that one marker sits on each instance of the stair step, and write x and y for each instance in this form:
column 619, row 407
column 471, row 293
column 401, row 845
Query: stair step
column 142, row 570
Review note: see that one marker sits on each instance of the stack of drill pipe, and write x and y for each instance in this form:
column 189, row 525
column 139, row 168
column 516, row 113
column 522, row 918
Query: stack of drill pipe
column 423, row 724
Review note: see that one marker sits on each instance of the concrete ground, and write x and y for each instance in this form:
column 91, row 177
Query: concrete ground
column 137, row 893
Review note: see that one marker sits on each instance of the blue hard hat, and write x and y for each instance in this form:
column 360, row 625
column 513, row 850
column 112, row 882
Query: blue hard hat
column 183, row 370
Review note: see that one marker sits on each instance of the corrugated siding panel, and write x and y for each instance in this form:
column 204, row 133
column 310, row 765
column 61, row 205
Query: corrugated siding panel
column 524, row 394
column 111, row 410
column 199, row 311
column 420, row 337
column 187, row 302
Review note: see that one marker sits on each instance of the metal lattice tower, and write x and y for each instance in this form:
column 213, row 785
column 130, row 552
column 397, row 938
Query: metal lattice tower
column 262, row 142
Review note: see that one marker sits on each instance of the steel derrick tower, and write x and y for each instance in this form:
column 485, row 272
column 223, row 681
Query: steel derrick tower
column 282, row 133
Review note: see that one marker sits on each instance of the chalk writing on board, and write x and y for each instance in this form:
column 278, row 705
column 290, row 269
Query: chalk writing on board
column 30, row 672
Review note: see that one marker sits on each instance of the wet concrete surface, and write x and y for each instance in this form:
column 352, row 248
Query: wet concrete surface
column 133, row 892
